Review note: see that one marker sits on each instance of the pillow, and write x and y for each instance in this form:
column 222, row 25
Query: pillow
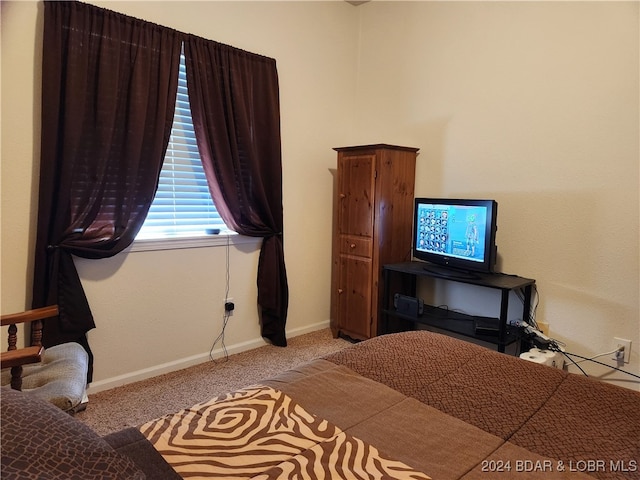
column 38, row 440
column 60, row 378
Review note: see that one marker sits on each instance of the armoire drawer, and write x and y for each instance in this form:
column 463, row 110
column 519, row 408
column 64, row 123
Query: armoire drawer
column 360, row 246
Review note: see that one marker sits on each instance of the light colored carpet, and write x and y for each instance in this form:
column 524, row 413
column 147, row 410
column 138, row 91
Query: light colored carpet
column 133, row 404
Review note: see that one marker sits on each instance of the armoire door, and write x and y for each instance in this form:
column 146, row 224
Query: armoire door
column 356, row 187
column 356, row 183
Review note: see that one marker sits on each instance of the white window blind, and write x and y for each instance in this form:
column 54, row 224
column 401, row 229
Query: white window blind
column 182, row 206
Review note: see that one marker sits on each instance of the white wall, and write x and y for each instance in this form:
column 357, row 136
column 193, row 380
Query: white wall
column 532, row 103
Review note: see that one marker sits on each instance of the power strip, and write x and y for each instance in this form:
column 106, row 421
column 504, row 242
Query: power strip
column 550, row 358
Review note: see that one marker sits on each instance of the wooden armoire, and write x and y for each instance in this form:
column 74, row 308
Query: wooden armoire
column 373, row 215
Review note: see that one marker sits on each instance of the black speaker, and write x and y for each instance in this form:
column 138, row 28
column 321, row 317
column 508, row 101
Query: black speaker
column 409, row 306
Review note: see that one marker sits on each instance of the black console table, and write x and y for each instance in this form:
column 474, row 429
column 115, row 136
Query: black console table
column 402, row 278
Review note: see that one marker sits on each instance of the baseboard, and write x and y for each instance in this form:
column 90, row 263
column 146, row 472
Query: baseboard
column 181, row 363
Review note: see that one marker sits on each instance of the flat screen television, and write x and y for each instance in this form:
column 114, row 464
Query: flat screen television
column 455, row 237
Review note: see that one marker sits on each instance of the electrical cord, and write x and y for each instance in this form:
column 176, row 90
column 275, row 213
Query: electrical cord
column 557, row 346
column 574, row 363
column 533, row 308
column 225, row 316
column 598, row 356
column 599, row 363
column 220, row 338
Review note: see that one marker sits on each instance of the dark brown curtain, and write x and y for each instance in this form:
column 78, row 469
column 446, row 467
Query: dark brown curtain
column 234, row 98
column 109, row 84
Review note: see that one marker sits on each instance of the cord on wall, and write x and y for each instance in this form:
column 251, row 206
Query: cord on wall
column 570, row 355
column 557, row 346
column 226, row 315
column 533, row 308
column 617, row 350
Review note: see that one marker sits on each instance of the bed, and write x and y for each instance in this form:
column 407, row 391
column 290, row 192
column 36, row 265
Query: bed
column 412, row 405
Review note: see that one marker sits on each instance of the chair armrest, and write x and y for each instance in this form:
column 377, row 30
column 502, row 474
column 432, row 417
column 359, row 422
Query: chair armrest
column 22, row 356
column 29, row 315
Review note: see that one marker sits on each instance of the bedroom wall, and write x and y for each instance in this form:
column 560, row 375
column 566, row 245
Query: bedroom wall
column 161, row 310
column 534, row 104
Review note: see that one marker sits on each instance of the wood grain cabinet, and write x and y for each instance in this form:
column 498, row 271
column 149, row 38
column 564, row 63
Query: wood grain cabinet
column 373, row 215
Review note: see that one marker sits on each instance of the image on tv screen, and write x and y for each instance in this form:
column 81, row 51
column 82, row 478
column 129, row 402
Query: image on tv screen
column 452, row 230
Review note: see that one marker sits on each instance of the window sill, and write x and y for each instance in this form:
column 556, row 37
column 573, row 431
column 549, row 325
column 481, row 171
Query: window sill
column 220, row 240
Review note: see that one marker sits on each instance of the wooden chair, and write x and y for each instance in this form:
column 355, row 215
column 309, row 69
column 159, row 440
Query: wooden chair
column 57, row 374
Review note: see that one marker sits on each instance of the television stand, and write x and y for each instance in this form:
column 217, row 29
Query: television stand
column 449, row 272
column 403, row 278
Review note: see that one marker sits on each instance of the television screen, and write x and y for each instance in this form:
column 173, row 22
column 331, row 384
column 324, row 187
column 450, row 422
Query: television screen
column 458, row 234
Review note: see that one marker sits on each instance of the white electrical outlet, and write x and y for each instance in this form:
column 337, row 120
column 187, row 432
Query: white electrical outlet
column 227, row 301
column 623, row 342
column 544, row 327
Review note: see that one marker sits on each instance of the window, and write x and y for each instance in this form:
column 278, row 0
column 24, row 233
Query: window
column 182, row 206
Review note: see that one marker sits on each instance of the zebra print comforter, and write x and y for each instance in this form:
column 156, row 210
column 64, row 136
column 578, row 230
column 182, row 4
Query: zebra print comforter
column 260, row 433
column 412, row 405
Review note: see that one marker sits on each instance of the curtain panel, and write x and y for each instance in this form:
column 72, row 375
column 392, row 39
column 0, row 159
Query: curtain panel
column 108, row 98
column 235, row 106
